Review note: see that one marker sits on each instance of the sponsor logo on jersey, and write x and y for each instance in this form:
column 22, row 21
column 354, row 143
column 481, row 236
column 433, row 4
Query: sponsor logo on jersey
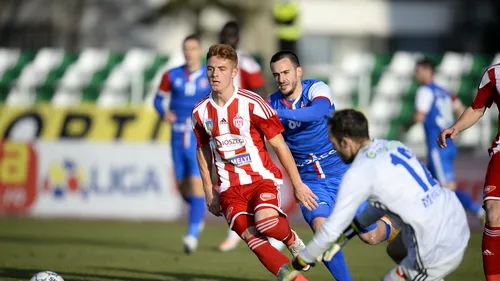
column 267, row 196
column 229, row 142
column 240, row 159
column 238, row 121
column 313, row 158
column 489, row 188
column 223, row 121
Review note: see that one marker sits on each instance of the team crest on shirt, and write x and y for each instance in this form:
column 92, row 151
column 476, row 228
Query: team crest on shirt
column 238, row 121
column 178, row 82
column 209, row 125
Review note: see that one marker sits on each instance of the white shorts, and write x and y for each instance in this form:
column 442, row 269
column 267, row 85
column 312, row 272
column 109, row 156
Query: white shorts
column 406, row 270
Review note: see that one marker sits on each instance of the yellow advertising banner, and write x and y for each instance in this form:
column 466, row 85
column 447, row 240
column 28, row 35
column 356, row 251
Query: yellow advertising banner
column 85, row 121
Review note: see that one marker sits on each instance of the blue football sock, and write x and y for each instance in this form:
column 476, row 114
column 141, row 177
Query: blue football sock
column 338, row 267
column 468, row 203
column 196, row 214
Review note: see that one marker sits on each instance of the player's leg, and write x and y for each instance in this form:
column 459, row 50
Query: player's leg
column 441, row 166
column 396, row 249
column 377, row 226
column 194, row 193
column 270, row 220
column 238, row 214
column 491, row 234
column 315, row 218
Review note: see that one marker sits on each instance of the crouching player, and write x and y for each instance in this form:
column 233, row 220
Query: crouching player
column 435, row 230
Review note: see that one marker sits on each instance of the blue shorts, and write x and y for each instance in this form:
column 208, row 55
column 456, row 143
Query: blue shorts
column 326, row 190
column 441, row 164
column 184, row 159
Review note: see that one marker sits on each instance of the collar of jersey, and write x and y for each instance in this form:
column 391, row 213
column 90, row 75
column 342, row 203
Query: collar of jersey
column 229, row 101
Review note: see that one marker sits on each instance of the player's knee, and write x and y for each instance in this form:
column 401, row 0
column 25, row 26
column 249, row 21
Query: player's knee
column 317, row 223
column 248, row 233
column 372, row 237
column 492, row 212
column 266, row 224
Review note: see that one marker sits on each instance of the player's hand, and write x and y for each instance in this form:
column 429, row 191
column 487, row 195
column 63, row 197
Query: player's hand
column 451, row 133
column 213, row 202
column 305, row 196
column 170, row 117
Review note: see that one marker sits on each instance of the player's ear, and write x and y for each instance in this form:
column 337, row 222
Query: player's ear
column 235, row 71
column 299, row 71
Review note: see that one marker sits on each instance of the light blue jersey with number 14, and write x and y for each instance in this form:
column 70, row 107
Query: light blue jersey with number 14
column 390, row 177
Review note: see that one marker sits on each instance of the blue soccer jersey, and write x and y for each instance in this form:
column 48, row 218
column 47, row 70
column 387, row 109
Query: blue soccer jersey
column 308, row 141
column 438, row 105
column 186, row 89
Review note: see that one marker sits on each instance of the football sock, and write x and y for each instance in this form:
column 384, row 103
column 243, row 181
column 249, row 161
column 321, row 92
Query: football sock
column 196, row 214
column 491, row 253
column 271, row 258
column 276, row 227
column 338, row 267
column 468, row 203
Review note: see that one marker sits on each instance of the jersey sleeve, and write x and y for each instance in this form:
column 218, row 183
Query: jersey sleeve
column 424, row 99
column 164, row 85
column 353, row 191
column 485, row 90
column 265, row 119
column 320, row 90
column 202, row 136
column 250, row 72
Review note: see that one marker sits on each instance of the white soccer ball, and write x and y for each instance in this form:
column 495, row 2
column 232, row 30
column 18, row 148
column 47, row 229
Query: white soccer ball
column 46, row 276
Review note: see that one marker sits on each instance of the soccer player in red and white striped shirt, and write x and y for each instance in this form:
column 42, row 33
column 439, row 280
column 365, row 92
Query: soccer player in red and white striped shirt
column 487, row 94
column 230, row 125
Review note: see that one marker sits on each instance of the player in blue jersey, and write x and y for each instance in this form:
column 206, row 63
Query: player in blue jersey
column 303, row 107
column 187, row 84
column 434, row 107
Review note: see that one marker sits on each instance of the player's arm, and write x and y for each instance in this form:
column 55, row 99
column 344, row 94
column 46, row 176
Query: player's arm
column 473, row 113
column 265, row 120
column 321, row 96
column 317, row 111
column 458, row 106
column 204, row 158
column 353, row 191
column 423, row 103
column 163, row 91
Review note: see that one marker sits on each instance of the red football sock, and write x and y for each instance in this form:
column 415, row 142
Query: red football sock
column 491, row 253
column 271, row 258
column 277, row 228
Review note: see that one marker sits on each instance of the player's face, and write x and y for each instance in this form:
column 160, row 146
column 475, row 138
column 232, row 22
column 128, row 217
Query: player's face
column 286, row 75
column 192, row 52
column 422, row 74
column 220, row 73
column 343, row 148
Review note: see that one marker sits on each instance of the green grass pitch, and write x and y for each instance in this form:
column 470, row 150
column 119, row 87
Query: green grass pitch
column 143, row 251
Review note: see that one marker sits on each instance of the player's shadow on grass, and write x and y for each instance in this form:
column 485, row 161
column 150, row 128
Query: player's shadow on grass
column 79, row 241
column 180, row 275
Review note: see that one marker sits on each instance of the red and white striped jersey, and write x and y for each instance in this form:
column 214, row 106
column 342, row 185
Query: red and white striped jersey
column 236, row 134
column 249, row 74
column 488, row 93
